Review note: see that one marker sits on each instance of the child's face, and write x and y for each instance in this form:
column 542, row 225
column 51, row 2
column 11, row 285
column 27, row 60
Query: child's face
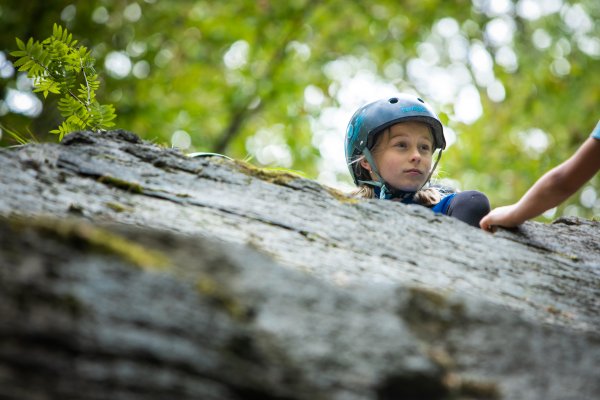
column 403, row 155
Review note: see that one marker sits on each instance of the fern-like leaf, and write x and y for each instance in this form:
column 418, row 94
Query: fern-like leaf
column 57, row 66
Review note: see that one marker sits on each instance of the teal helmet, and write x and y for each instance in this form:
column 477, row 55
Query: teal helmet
column 375, row 117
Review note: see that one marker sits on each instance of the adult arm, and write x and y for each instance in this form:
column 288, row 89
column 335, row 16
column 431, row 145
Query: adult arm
column 551, row 189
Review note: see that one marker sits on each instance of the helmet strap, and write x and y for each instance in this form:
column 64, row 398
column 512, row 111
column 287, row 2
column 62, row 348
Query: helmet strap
column 432, row 170
column 384, row 192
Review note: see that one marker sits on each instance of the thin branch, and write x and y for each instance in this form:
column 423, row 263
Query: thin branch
column 243, row 112
column 87, row 84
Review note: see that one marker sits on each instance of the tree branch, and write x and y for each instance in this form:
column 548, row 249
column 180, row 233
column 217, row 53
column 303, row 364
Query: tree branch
column 240, row 115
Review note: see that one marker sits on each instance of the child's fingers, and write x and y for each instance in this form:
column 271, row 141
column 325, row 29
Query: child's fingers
column 486, row 226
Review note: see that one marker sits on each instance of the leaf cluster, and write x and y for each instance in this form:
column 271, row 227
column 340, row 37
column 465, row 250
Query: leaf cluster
column 57, row 65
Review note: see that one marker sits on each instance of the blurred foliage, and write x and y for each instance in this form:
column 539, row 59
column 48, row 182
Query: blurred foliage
column 179, row 80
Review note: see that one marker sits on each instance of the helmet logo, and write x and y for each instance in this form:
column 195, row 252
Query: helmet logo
column 415, row 108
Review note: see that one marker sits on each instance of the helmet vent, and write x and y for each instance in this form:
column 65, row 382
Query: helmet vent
column 393, row 100
column 420, row 99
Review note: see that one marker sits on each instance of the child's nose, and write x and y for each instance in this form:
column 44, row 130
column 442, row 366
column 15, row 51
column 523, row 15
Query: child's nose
column 415, row 154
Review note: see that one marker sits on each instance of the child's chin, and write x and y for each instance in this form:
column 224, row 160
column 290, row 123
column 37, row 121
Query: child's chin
column 412, row 188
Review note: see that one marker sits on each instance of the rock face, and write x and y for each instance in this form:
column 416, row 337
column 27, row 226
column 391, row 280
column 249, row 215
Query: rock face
column 130, row 271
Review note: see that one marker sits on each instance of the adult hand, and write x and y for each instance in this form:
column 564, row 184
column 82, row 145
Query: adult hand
column 501, row 216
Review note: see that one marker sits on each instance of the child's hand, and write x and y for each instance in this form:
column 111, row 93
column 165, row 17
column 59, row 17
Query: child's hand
column 501, row 216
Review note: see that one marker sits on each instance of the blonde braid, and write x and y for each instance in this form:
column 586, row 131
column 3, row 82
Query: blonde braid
column 428, row 197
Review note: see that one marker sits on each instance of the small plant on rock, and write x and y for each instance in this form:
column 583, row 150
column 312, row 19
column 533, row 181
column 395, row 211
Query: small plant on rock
column 57, row 65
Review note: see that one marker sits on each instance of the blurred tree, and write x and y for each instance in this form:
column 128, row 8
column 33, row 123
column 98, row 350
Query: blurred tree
column 515, row 82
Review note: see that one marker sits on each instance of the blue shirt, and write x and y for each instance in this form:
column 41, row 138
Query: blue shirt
column 596, row 132
column 440, row 208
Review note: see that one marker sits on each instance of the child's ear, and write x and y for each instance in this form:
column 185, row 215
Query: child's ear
column 365, row 164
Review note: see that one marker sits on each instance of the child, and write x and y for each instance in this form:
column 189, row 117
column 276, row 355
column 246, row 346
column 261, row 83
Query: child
column 389, row 150
column 552, row 188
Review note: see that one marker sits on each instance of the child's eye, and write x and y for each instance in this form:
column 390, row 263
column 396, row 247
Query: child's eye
column 425, row 147
column 401, row 144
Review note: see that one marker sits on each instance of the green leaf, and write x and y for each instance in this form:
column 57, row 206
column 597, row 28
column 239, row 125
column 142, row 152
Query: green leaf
column 20, row 44
column 21, row 61
column 27, row 65
column 18, row 53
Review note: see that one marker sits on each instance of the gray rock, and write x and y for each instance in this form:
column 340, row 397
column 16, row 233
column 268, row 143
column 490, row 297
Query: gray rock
column 132, row 271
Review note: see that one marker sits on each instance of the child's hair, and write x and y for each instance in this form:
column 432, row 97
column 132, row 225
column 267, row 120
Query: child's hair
column 426, row 196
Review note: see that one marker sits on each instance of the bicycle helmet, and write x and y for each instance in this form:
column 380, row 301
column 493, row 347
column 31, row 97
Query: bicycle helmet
column 375, row 117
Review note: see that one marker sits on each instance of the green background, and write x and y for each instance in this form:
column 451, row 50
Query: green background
column 185, row 77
